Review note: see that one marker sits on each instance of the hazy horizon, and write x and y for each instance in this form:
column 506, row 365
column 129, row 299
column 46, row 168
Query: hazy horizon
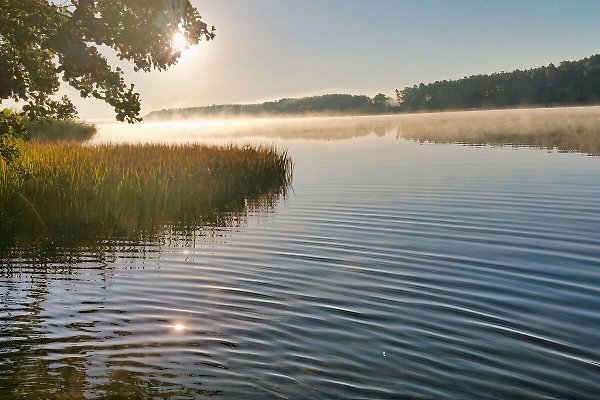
column 254, row 238
column 346, row 46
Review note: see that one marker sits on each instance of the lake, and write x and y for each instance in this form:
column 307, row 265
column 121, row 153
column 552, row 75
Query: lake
column 451, row 255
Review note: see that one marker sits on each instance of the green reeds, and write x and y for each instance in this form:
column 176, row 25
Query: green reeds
column 51, row 130
column 73, row 192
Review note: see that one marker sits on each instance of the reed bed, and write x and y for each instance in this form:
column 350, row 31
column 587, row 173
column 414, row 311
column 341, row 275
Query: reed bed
column 67, row 190
column 56, row 130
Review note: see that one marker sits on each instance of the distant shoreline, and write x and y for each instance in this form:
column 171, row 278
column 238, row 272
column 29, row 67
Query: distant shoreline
column 153, row 115
column 571, row 83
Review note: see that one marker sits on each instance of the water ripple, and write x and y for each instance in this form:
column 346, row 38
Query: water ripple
column 421, row 275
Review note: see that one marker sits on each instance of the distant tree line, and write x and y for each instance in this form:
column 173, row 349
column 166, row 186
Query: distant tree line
column 326, row 104
column 572, row 82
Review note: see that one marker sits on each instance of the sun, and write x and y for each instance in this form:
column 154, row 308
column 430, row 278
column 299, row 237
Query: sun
column 179, row 42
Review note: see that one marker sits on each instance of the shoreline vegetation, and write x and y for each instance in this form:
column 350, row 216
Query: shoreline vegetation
column 53, row 130
column 18, row 126
column 69, row 194
column 571, row 83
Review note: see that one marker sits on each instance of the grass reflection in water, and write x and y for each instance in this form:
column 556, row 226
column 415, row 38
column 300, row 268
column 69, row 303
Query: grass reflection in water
column 65, row 202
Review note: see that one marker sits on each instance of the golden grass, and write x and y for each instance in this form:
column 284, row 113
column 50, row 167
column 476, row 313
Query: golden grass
column 71, row 190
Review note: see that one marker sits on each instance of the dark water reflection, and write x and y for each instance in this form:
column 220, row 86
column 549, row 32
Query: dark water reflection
column 392, row 270
column 103, row 244
column 62, row 334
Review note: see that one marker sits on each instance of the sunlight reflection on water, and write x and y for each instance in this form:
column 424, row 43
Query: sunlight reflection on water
column 394, row 270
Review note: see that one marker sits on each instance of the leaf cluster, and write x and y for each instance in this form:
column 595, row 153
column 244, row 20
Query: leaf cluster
column 12, row 127
column 42, row 43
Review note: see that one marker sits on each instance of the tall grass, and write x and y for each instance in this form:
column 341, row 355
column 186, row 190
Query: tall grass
column 56, row 130
column 67, row 191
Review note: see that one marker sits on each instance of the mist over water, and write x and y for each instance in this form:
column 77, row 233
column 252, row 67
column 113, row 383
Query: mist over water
column 450, row 255
column 573, row 129
column 257, row 129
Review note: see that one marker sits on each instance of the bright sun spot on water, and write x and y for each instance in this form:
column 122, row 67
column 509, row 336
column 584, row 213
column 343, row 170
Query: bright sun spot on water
column 179, row 327
column 179, row 41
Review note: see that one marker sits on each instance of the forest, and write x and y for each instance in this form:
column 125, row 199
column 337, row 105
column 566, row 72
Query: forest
column 345, row 104
column 569, row 83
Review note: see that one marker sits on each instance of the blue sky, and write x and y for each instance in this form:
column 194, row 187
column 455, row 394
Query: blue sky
column 268, row 49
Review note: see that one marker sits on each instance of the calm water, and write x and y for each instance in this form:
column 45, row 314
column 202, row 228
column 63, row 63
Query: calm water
column 393, row 269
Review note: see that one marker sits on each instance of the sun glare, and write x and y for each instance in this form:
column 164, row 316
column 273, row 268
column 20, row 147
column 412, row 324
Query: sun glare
column 179, row 41
column 178, row 327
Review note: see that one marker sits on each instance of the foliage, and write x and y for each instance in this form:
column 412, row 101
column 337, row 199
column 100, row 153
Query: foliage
column 16, row 127
column 66, row 189
column 12, row 128
column 380, row 101
column 329, row 104
column 572, row 82
column 51, row 130
column 42, row 41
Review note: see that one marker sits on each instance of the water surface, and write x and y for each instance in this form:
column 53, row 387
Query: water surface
column 395, row 268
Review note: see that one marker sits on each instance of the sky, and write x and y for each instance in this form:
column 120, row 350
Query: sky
column 270, row 49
